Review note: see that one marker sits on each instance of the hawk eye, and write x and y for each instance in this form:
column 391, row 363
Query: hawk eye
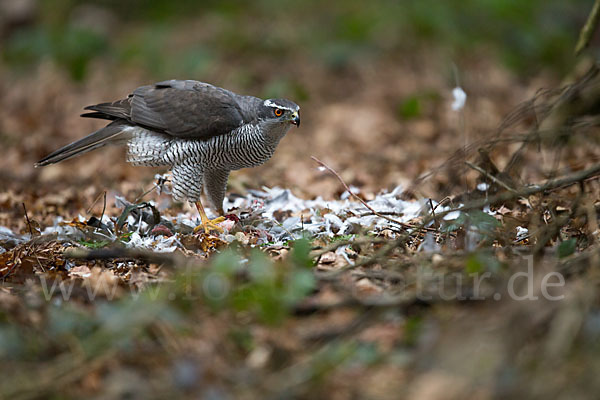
column 278, row 112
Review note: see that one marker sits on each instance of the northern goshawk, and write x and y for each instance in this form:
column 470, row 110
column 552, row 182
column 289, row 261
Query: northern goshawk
column 202, row 132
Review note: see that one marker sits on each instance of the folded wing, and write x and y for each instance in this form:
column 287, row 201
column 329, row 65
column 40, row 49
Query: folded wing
column 185, row 109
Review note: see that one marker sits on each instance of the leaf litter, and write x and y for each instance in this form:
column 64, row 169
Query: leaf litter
column 272, row 216
column 343, row 293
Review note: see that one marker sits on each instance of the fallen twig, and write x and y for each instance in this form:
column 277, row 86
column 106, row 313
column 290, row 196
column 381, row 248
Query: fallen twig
column 121, row 252
column 553, row 184
column 490, row 176
column 30, row 246
column 89, row 210
column 28, row 221
column 435, row 222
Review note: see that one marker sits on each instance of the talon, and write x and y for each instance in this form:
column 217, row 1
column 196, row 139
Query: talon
column 210, row 224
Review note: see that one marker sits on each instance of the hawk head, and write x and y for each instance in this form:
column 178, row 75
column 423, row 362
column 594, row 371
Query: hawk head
column 280, row 111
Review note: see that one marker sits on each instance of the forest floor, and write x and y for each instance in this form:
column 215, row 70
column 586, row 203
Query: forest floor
column 394, row 247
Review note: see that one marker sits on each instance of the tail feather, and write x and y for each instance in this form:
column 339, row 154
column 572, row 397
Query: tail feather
column 113, row 133
column 98, row 115
column 116, row 109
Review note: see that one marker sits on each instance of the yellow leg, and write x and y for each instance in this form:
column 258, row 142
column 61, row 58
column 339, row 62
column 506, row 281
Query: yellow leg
column 207, row 224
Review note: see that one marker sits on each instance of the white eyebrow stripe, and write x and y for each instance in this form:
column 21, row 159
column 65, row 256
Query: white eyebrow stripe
column 269, row 103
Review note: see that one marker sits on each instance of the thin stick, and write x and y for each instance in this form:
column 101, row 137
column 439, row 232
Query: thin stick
column 282, row 227
column 437, row 225
column 159, row 182
column 103, row 207
column 442, row 202
column 89, row 210
column 28, row 221
column 490, row 176
column 588, row 29
column 31, row 247
column 394, row 213
column 581, row 176
column 140, row 197
column 364, row 203
column 112, row 253
column 590, row 173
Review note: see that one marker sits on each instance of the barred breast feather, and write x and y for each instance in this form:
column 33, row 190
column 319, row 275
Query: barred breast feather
column 198, row 163
column 242, row 148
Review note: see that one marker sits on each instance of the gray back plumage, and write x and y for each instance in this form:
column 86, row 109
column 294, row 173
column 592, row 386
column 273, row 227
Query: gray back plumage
column 184, row 109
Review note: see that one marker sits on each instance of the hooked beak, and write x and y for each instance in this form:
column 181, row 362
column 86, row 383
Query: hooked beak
column 295, row 119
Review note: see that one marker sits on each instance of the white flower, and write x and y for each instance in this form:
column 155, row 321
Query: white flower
column 482, row 187
column 460, row 98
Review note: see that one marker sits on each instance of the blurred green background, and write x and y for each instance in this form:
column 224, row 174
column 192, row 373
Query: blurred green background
column 189, row 38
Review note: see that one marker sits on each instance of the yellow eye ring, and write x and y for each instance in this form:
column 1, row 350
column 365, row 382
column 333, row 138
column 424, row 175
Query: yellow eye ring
column 278, row 112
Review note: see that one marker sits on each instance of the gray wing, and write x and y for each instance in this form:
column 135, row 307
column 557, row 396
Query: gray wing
column 186, row 109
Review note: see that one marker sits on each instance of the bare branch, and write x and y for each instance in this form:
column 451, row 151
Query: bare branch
column 490, row 176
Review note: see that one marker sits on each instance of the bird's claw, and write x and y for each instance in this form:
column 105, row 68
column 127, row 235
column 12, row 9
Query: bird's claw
column 210, row 224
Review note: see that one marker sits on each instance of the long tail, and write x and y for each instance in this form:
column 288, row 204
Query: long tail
column 113, row 133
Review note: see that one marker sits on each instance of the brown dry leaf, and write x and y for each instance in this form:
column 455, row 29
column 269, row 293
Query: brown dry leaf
column 81, row 271
column 75, row 223
column 503, row 210
column 102, row 282
column 328, row 258
column 366, row 288
column 278, row 254
column 331, row 261
column 211, row 243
